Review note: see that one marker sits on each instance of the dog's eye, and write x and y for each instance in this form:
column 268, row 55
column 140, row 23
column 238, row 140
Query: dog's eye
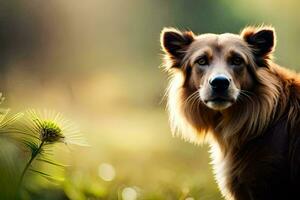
column 202, row 61
column 237, row 60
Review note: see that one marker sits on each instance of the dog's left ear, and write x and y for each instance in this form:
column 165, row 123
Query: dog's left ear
column 262, row 40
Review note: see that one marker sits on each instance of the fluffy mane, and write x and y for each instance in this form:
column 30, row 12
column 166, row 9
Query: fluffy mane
column 247, row 118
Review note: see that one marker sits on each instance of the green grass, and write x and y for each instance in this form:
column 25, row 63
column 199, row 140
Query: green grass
column 144, row 156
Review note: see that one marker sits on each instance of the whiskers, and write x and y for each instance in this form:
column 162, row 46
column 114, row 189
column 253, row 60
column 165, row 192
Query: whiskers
column 192, row 101
column 245, row 95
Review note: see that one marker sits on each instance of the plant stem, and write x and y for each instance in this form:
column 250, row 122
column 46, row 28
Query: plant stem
column 33, row 156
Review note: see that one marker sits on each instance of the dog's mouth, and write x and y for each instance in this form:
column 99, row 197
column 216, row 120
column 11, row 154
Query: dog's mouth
column 220, row 100
column 219, row 103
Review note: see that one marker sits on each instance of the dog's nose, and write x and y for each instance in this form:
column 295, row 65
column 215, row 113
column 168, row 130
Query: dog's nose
column 220, row 83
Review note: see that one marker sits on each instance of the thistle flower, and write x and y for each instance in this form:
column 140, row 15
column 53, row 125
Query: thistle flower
column 51, row 127
column 40, row 131
column 7, row 120
column 50, row 132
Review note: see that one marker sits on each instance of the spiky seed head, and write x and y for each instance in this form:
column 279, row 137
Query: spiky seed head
column 51, row 127
column 50, row 131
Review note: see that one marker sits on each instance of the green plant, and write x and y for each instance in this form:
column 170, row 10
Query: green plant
column 35, row 134
column 42, row 130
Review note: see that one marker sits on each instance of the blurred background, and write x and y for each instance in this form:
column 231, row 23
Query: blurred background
column 97, row 62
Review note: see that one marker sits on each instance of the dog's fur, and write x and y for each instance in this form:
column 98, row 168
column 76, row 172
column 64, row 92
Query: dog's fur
column 254, row 139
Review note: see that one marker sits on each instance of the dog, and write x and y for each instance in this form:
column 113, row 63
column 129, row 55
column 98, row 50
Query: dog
column 226, row 90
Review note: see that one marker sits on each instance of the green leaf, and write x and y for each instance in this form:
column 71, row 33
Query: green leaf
column 31, row 145
column 46, row 176
column 47, row 160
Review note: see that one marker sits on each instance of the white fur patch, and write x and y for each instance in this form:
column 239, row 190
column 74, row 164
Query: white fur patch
column 178, row 123
column 180, row 126
column 220, row 168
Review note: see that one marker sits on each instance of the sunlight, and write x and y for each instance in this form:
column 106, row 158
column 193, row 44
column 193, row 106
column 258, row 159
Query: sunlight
column 106, row 171
column 129, row 193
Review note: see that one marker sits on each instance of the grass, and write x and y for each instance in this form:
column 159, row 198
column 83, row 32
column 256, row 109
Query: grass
column 145, row 157
column 132, row 155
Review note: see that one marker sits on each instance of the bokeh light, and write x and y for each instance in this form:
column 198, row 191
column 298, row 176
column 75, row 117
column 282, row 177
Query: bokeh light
column 106, row 171
column 129, row 193
column 189, row 198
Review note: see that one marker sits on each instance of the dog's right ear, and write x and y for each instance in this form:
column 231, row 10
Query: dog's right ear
column 175, row 43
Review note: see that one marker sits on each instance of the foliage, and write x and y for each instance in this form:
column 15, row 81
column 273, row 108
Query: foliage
column 35, row 134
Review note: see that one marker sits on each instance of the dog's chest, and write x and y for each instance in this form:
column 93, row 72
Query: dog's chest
column 221, row 168
column 261, row 164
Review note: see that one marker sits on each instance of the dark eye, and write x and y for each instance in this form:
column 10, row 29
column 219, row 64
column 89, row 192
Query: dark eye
column 202, row 61
column 236, row 60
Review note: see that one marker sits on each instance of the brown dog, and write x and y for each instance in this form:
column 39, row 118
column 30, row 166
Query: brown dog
column 226, row 90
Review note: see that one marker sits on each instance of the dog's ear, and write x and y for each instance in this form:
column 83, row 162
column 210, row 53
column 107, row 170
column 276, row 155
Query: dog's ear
column 175, row 43
column 261, row 39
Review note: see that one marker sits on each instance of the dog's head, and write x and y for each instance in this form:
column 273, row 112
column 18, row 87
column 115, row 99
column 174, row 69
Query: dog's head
column 219, row 67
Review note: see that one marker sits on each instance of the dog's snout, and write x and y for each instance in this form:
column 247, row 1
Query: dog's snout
column 219, row 83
